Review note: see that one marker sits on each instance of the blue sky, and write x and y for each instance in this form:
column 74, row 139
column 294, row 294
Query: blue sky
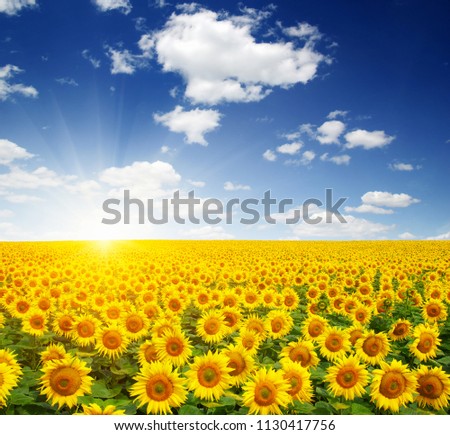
column 229, row 99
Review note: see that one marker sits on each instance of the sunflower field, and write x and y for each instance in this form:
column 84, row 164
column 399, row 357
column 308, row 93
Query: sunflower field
column 225, row 327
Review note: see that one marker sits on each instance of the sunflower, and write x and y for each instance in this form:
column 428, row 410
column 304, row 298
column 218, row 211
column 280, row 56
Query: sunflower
column 266, row 392
column 159, row 387
column 426, row 342
column 211, row 326
column 63, row 323
column 53, row 352
column 147, row 353
column 301, row 352
column 111, row 311
column 400, row 330
column 434, row 310
column 299, row 379
column 433, row 386
column 8, row 380
column 347, row 378
column 251, row 298
column 278, row 323
column 392, row 386
column 135, row 323
column 241, row 363
column 361, row 315
column 209, row 376
column 9, row 358
column 249, row 340
column 232, row 317
column 84, row 329
column 334, row 343
column 372, row 348
column 161, row 326
column 313, row 327
column 290, row 299
column 173, row 347
column 65, row 380
column 355, row 332
column 34, row 322
column 268, row 297
column 111, row 341
column 94, row 409
column 256, row 324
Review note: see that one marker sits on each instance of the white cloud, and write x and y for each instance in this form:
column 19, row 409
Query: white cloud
column 305, row 160
column 387, row 199
column 12, row 7
column 368, row 208
column 343, row 159
column 94, row 61
column 290, row 148
column 193, row 123
column 8, row 89
column 22, row 198
column 5, row 214
column 67, row 81
column 123, row 6
column 367, row 139
column 407, row 236
column 402, row 167
column 142, row 179
column 9, row 152
column 329, row 132
column 443, row 236
column 231, row 186
column 303, row 31
column 124, row 62
column 243, row 69
column 197, row 183
column 87, row 188
column 354, row 228
column 337, row 113
column 18, row 178
column 207, row 232
column 164, row 149
column 269, row 155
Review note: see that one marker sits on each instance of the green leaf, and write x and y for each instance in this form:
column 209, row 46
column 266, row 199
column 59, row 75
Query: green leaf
column 100, row 390
column 358, row 409
column 189, row 410
column 338, row 406
column 323, row 408
column 444, row 361
column 304, row 408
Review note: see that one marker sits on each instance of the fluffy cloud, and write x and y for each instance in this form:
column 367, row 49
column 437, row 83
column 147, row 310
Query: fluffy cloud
column 407, row 236
column 303, row 31
column 8, row 89
column 269, row 155
column 343, row 159
column 41, row 177
column 9, row 152
column 329, row 132
column 367, row 139
column 368, row 208
column 143, row 179
column 193, row 123
column 387, row 199
column 354, row 228
column 290, row 148
column 443, row 236
column 5, row 213
column 123, row 6
column 403, row 167
column 12, row 7
column 243, row 69
column 196, row 183
column 67, row 81
column 231, row 186
column 125, row 62
column 94, row 61
column 337, row 113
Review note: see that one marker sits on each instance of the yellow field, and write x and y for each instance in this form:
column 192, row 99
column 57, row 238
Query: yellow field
column 220, row 327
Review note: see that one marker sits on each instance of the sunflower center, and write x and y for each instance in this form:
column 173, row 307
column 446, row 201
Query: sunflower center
column 430, row 386
column 237, row 363
column 134, row 323
column 22, row 307
column 400, row 329
column 112, row 340
column 86, row 329
column 334, row 343
column 250, row 298
column 151, row 354
column 230, row 319
column 208, row 376
column 301, row 355
column 248, row 343
column 255, row 326
column 65, row 323
column 65, row 381
column 265, row 394
column 277, row 325
column 426, row 342
column 174, row 305
column 315, row 328
column 174, row 346
column 159, row 388
column 373, row 346
column 44, row 304
column 392, row 385
column 212, row 326
column 433, row 310
column 347, row 377
column 113, row 313
column 37, row 322
column 296, row 383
